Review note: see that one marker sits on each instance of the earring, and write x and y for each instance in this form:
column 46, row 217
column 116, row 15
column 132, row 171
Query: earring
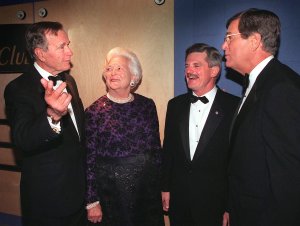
column 132, row 83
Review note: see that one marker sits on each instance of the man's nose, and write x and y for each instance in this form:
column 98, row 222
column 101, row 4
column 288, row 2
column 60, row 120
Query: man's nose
column 224, row 45
column 69, row 51
column 189, row 69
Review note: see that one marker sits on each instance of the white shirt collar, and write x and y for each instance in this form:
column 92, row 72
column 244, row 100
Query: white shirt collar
column 42, row 72
column 256, row 71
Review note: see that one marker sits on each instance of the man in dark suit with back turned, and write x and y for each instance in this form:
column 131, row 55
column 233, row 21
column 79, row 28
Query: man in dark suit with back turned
column 195, row 149
column 264, row 169
column 46, row 120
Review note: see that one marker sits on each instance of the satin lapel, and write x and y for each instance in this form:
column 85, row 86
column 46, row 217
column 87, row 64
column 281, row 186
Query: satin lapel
column 74, row 102
column 184, row 127
column 249, row 102
column 213, row 120
column 34, row 75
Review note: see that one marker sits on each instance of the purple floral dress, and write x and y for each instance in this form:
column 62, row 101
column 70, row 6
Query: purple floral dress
column 123, row 161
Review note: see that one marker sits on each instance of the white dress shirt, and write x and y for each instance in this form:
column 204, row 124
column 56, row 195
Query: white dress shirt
column 198, row 116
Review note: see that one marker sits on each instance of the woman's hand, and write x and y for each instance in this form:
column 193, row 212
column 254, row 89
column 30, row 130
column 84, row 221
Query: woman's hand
column 95, row 214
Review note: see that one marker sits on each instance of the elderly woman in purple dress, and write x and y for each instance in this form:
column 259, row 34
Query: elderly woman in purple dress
column 123, row 160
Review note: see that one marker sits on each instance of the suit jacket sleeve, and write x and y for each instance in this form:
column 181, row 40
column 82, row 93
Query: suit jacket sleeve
column 26, row 111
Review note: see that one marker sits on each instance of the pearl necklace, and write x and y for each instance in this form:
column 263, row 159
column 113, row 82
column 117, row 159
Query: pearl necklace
column 122, row 100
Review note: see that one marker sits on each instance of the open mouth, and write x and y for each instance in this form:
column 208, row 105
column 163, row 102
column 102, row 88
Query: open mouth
column 192, row 76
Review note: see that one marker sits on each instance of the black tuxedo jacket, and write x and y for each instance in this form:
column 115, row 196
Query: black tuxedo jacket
column 53, row 172
column 200, row 184
column 265, row 164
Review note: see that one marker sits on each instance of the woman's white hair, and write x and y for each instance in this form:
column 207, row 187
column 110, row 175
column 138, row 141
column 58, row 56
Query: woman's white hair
column 134, row 63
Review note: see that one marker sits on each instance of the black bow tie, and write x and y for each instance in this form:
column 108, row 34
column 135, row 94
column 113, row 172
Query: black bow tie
column 56, row 78
column 194, row 99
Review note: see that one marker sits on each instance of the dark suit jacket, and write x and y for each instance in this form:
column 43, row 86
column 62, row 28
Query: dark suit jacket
column 265, row 164
column 53, row 174
column 200, row 184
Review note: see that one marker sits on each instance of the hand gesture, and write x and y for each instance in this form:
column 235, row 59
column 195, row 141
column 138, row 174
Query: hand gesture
column 57, row 100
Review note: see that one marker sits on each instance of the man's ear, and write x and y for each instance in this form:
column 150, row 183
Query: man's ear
column 39, row 52
column 255, row 40
column 214, row 71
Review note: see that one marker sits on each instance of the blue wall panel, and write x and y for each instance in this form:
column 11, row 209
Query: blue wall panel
column 204, row 21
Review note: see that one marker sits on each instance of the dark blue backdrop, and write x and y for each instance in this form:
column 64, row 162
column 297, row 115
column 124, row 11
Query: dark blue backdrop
column 204, row 21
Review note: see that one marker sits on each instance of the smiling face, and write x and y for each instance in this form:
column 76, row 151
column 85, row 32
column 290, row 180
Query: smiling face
column 117, row 75
column 199, row 76
column 57, row 57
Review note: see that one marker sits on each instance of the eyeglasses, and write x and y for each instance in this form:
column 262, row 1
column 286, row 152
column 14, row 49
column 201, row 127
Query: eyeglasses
column 228, row 38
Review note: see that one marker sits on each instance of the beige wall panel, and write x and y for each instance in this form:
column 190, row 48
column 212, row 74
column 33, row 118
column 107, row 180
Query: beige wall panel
column 8, row 14
column 95, row 27
column 7, row 156
column 9, row 192
column 9, row 181
column 5, row 133
column 4, row 80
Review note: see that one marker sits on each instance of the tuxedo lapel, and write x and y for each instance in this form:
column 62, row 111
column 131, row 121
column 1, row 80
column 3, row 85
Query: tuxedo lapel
column 184, row 127
column 254, row 95
column 35, row 79
column 75, row 105
column 213, row 120
column 246, row 107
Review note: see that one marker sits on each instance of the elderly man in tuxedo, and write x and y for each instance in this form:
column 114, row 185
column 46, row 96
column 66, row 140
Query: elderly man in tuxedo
column 195, row 147
column 46, row 120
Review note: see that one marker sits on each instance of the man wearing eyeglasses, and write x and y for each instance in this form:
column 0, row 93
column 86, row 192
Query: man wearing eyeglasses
column 264, row 168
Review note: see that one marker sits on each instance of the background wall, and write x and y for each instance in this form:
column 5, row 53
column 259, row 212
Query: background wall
column 94, row 27
column 204, row 21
